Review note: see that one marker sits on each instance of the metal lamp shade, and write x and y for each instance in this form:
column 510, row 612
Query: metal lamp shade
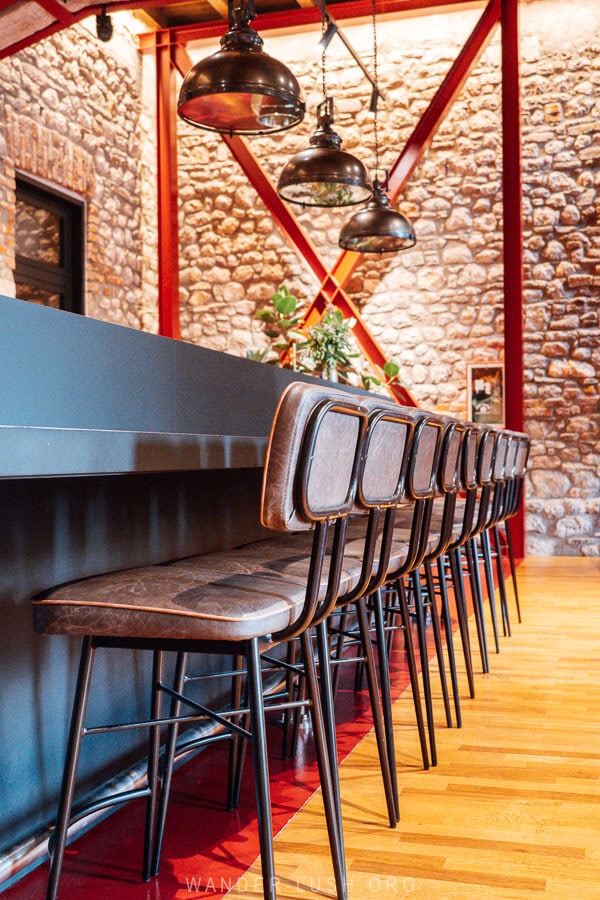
column 240, row 89
column 324, row 174
column 377, row 228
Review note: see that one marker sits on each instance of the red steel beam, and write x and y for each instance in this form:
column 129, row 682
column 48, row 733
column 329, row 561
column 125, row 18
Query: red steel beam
column 304, row 17
column 512, row 188
column 330, row 291
column 168, row 228
column 282, row 214
column 57, row 9
column 291, row 19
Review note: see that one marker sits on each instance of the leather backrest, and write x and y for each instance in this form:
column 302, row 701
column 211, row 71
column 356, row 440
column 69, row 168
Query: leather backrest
column 522, row 456
column 485, row 455
column 469, row 458
column 450, row 456
column 511, row 456
column 313, row 457
column 382, row 479
column 386, row 454
column 425, row 451
column 503, row 440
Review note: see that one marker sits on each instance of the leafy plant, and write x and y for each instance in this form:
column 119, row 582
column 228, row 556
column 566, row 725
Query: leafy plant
column 330, row 346
column 326, row 348
column 281, row 323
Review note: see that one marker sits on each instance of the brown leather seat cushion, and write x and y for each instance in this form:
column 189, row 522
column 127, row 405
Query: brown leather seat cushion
column 233, row 595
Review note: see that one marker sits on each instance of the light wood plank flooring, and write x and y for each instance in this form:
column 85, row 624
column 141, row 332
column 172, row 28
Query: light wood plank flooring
column 513, row 808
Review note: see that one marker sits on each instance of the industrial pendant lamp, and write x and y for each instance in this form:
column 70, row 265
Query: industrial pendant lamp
column 378, row 228
column 324, row 174
column 240, row 89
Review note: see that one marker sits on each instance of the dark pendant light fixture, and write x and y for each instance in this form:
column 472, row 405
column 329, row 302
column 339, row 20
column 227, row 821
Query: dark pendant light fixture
column 240, row 89
column 324, row 174
column 378, row 228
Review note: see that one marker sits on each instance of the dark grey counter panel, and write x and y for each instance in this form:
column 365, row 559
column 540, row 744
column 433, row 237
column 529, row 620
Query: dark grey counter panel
column 60, row 370
column 78, row 397
column 30, row 452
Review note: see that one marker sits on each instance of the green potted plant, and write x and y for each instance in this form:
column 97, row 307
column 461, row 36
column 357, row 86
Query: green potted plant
column 326, row 348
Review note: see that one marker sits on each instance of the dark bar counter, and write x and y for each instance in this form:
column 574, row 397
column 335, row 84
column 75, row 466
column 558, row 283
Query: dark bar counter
column 117, row 449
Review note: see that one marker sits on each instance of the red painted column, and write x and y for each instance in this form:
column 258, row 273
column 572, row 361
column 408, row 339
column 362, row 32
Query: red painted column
column 513, row 236
column 168, row 229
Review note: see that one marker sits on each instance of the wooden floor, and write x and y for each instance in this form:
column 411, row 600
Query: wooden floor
column 513, row 808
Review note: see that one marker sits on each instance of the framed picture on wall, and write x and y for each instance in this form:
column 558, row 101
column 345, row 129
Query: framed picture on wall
column 485, row 393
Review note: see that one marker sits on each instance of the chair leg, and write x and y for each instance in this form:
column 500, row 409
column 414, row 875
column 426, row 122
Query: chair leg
column 501, row 582
column 476, row 593
column 261, row 769
column 290, row 717
column 237, row 746
column 158, row 658
column 59, row 838
column 386, row 696
column 413, row 672
column 422, row 637
column 169, row 757
column 461, row 610
column 325, row 764
column 388, row 774
column 437, row 636
column 513, row 568
column 486, row 550
column 449, row 636
column 327, row 705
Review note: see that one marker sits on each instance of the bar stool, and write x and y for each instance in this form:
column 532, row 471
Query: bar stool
column 403, row 548
column 380, row 483
column 309, row 484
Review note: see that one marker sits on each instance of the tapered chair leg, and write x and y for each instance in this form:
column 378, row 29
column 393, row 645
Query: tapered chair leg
column 153, row 765
column 290, row 716
column 168, row 760
column 386, row 696
column 486, row 550
column 413, row 673
column 513, row 568
column 327, row 697
column 424, row 655
column 477, row 597
column 388, row 774
column 501, row 582
column 261, row 769
column 437, row 637
column 446, row 619
column 237, row 747
column 325, row 764
column 59, row 837
column 458, row 586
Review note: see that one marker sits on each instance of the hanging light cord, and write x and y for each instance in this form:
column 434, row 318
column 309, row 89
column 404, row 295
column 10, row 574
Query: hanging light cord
column 323, row 30
column 375, row 87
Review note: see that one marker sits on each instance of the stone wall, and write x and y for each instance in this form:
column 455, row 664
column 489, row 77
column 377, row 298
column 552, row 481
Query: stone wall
column 71, row 117
column 84, row 120
column 439, row 306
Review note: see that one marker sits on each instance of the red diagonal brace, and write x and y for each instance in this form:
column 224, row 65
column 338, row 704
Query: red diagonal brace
column 430, row 121
column 329, row 291
column 57, row 9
